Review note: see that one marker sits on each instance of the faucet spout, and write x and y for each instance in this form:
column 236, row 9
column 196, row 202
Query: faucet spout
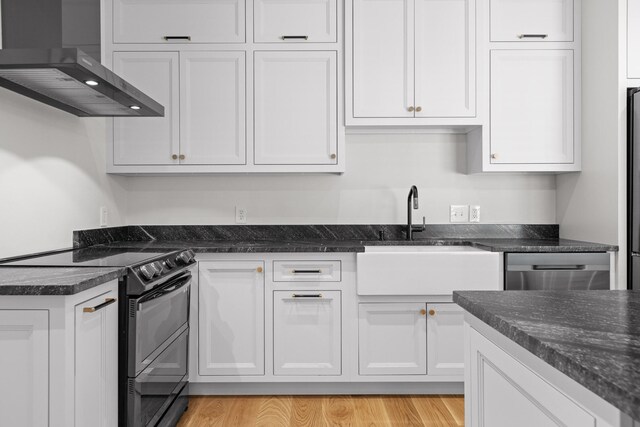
column 413, row 196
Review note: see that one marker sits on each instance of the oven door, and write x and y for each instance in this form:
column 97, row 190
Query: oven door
column 152, row 393
column 153, row 318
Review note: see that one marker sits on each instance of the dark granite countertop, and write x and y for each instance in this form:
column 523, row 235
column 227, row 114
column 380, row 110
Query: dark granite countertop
column 54, row 280
column 591, row 336
column 236, row 246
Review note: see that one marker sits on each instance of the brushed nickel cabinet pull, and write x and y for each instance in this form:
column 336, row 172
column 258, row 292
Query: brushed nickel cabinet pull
column 107, row 301
column 169, row 38
column 294, row 37
column 533, row 36
column 306, row 296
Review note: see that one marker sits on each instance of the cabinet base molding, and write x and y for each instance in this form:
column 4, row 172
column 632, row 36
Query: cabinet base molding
column 218, row 389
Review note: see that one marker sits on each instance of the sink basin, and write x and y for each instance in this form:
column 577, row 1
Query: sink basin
column 405, row 249
column 427, row 270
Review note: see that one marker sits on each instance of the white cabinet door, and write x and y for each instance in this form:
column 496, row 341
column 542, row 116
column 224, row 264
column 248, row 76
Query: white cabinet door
column 445, row 80
column 445, row 339
column 191, row 21
column 392, row 339
column 532, row 106
column 231, row 318
column 295, row 21
column 96, row 366
column 24, row 368
column 383, row 58
column 307, row 337
column 149, row 140
column 212, row 108
column 531, row 20
column 633, row 39
column 295, row 108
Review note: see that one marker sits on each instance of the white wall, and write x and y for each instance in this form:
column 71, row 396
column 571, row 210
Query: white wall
column 52, row 176
column 380, row 170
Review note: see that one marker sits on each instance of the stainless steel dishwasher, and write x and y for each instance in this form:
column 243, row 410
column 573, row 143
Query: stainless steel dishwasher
column 557, row 271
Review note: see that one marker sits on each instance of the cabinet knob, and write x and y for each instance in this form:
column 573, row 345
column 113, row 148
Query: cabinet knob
column 423, row 312
column 174, row 157
column 418, row 109
column 259, row 269
column 182, row 156
column 432, row 312
column 333, row 156
column 411, row 109
column 494, row 156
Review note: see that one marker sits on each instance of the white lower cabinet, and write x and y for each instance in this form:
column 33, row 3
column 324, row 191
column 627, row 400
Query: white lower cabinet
column 58, row 359
column 445, row 339
column 307, row 333
column 24, row 367
column 231, row 318
column 392, row 339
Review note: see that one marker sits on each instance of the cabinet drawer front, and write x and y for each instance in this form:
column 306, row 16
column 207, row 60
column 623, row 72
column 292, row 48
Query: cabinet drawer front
column 184, row 21
column 531, row 20
column 307, row 338
column 540, row 130
column 307, row 271
column 284, row 21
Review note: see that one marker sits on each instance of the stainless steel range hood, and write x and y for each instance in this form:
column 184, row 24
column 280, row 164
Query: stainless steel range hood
column 41, row 58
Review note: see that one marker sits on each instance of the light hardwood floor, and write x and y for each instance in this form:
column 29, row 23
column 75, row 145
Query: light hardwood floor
column 312, row 411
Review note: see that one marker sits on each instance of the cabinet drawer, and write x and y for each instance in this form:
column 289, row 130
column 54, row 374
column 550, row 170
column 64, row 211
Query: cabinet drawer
column 531, row 20
column 278, row 21
column 181, row 21
column 307, row 271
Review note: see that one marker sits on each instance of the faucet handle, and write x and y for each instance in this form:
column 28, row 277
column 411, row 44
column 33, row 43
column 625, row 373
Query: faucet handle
column 424, row 223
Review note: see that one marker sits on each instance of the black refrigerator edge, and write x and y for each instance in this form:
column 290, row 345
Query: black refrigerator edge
column 633, row 188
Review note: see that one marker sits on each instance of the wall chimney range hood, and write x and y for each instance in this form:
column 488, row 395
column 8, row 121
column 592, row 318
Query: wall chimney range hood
column 51, row 53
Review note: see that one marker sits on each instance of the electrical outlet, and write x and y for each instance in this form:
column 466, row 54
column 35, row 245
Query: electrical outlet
column 104, row 216
column 459, row 213
column 241, row 215
column 474, row 213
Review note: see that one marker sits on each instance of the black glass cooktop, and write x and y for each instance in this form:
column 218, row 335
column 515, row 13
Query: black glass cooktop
column 90, row 257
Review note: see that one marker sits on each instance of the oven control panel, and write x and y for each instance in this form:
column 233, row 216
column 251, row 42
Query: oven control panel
column 165, row 265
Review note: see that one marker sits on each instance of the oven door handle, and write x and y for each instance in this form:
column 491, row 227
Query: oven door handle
column 166, row 290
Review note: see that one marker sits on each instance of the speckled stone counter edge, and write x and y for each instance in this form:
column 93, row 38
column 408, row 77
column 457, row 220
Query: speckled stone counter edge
column 59, row 286
column 354, row 232
column 586, row 377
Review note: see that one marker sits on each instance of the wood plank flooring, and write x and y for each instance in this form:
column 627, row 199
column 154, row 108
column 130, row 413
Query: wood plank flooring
column 319, row 411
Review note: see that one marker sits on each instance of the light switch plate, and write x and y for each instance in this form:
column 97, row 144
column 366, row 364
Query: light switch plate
column 459, row 213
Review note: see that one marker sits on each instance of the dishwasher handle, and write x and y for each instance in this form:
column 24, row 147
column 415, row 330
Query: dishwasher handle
column 558, row 267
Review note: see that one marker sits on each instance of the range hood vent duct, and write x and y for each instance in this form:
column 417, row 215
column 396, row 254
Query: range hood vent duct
column 51, row 53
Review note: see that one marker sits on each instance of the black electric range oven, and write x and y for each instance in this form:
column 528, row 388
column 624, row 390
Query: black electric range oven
column 153, row 328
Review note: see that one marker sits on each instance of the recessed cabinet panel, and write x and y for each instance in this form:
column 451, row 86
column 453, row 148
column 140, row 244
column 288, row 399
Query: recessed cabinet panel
column 307, row 337
column 295, row 108
column 24, row 371
column 445, row 339
column 278, row 21
column 212, row 108
column 633, row 39
column 149, row 140
column 231, row 318
column 445, row 84
column 392, row 339
column 383, row 58
column 185, row 21
column 532, row 106
column 531, row 20
column 96, row 367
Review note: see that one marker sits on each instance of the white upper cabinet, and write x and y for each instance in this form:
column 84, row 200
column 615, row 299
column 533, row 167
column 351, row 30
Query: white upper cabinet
column 295, row 108
column 532, row 20
column 307, row 338
column 412, row 59
column 212, row 108
column 149, row 140
column 633, row 39
column 382, row 58
column 445, row 84
column 277, row 21
column 532, row 106
column 181, row 21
